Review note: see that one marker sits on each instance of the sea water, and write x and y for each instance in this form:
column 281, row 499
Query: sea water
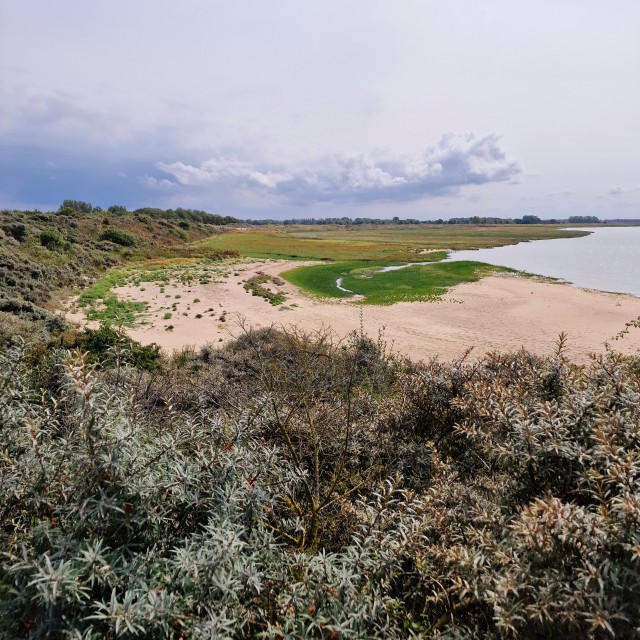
column 607, row 259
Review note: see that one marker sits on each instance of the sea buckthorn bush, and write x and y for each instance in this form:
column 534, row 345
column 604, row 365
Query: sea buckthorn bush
column 118, row 236
column 289, row 486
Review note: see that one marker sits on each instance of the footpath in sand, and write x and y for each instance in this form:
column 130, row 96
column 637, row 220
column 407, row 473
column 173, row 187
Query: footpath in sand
column 497, row 313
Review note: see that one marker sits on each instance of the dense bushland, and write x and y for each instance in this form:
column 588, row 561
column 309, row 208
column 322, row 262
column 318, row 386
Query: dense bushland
column 290, row 486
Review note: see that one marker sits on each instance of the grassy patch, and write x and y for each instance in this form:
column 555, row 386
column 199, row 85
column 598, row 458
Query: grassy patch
column 416, row 283
column 101, row 304
column 256, row 285
column 96, row 293
column 114, row 310
column 321, row 279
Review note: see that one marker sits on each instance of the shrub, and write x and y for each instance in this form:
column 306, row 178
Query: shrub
column 539, row 477
column 14, row 327
column 290, row 486
column 17, row 231
column 108, row 344
column 112, row 529
column 78, row 206
column 53, row 241
column 256, row 285
column 119, row 236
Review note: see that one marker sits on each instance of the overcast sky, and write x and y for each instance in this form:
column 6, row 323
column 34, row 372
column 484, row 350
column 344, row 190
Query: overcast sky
column 290, row 108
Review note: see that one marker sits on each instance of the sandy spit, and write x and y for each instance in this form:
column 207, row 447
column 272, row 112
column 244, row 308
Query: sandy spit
column 497, row 313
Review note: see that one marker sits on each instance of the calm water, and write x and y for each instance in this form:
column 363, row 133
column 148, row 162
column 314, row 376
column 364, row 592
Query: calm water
column 608, row 259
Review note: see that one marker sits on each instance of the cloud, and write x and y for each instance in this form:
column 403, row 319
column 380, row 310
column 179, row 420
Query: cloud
column 56, row 116
column 455, row 161
column 155, row 183
column 566, row 193
column 57, row 145
column 619, row 191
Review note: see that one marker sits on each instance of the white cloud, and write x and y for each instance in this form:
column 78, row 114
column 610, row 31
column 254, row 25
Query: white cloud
column 154, row 183
column 455, row 161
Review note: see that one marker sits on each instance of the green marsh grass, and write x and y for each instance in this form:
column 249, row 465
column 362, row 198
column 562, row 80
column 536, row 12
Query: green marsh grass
column 283, row 245
column 411, row 284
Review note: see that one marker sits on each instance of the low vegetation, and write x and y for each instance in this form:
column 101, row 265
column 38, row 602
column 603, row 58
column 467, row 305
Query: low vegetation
column 261, row 285
column 290, row 486
column 46, row 255
column 375, row 243
column 100, row 303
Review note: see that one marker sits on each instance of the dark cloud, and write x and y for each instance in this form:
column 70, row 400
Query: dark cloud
column 35, row 174
column 455, row 161
column 55, row 146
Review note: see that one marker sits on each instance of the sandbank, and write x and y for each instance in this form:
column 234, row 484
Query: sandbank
column 497, row 313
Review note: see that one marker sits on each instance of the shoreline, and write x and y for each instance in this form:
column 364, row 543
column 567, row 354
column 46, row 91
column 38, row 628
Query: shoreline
column 497, row 313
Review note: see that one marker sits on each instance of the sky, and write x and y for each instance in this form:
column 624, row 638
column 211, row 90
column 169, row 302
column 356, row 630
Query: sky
column 323, row 108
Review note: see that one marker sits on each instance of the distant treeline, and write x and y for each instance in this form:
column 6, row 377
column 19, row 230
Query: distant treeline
column 71, row 207
column 75, row 207
column 528, row 219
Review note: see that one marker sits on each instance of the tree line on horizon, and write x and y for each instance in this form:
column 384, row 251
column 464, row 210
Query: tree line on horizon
column 75, row 207
column 483, row 220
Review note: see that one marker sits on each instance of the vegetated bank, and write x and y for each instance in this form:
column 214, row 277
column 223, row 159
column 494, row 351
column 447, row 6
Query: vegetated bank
column 44, row 256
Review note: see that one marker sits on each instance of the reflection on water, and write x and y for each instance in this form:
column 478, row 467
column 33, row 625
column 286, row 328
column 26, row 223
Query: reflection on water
column 608, row 259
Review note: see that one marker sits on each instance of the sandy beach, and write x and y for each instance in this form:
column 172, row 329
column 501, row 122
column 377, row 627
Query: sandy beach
column 497, row 313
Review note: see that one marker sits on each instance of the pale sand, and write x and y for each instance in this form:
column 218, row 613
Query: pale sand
column 495, row 314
